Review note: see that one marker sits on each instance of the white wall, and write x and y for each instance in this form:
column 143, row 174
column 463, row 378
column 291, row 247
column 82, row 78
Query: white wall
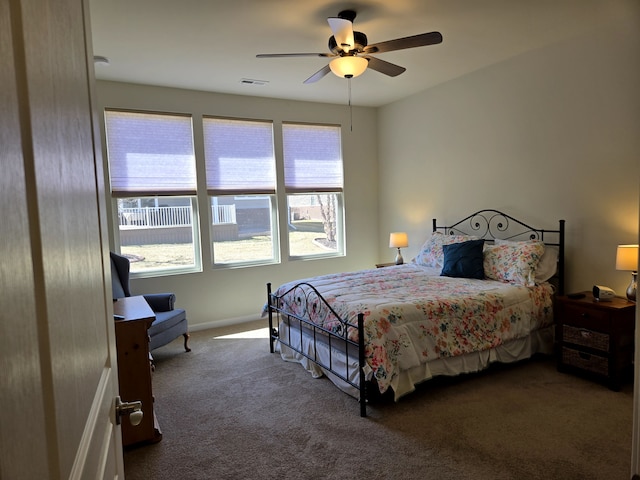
column 217, row 297
column 553, row 134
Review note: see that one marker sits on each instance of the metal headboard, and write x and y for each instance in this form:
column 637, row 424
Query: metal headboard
column 491, row 224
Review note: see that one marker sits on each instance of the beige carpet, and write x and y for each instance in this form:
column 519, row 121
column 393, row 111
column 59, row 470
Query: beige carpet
column 231, row 410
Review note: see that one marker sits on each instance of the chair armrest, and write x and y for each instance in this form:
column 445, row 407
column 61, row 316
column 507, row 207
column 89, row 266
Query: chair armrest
column 160, row 302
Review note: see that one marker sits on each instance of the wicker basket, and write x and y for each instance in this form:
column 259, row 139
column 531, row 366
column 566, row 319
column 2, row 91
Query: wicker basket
column 585, row 361
column 586, row 338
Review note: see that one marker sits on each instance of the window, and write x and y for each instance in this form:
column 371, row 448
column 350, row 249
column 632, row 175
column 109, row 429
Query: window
column 241, row 184
column 314, row 183
column 153, row 185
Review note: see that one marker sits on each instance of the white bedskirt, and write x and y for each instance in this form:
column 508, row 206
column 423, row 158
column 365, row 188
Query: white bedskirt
column 539, row 341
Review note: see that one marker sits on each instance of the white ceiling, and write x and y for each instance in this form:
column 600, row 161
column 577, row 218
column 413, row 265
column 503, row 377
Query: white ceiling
column 211, row 45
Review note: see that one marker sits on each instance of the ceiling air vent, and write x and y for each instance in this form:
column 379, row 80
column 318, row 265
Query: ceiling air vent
column 252, row 81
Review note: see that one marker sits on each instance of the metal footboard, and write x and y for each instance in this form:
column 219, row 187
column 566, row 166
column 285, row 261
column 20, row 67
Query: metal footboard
column 298, row 307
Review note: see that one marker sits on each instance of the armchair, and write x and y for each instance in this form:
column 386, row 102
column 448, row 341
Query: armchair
column 170, row 322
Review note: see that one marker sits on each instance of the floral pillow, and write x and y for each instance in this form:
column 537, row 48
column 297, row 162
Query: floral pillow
column 548, row 264
column 431, row 253
column 513, row 263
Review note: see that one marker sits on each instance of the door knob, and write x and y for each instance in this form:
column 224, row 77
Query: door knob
column 133, row 409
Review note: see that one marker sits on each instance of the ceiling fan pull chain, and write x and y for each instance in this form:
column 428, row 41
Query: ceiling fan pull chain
column 350, row 107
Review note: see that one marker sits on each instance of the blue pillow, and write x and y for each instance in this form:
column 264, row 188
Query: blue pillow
column 463, row 260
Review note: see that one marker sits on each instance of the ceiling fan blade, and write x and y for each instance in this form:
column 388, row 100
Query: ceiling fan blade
column 318, row 75
column 431, row 38
column 381, row 66
column 277, row 55
column 342, row 29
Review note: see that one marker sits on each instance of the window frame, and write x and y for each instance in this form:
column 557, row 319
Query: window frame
column 191, row 193
column 323, row 190
column 271, row 192
column 279, row 197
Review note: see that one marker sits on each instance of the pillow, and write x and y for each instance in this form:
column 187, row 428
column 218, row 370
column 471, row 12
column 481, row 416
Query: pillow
column 463, row 260
column 431, row 254
column 513, row 263
column 548, row 264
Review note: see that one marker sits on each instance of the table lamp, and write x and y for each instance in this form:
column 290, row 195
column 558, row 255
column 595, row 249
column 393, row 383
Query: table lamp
column 627, row 259
column 398, row 240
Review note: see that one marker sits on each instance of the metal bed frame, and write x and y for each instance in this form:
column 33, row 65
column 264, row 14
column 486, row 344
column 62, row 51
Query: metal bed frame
column 309, row 303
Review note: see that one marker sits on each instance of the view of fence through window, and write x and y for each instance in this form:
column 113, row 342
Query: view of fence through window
column 157, row 235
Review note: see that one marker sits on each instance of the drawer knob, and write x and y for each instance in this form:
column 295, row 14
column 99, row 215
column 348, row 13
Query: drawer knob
column 585, row 333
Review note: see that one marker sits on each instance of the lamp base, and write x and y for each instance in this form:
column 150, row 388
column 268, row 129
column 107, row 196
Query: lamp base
column 633, row 287
column 399, row 259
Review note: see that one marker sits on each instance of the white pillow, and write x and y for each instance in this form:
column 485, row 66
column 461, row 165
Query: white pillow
column 548, row 264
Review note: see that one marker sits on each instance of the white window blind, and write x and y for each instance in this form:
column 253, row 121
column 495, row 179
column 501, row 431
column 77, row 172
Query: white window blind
column 150, row 154
column 239, row 156
column 312, row 158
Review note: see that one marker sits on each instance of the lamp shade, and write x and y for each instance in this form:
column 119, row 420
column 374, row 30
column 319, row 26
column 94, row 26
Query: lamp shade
column 398, row 240
column 627, row 258
column 348, row 66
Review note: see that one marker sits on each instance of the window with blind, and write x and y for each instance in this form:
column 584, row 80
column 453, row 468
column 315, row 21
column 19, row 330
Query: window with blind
column 313, row 177
column 152, row 175
column 241, row 184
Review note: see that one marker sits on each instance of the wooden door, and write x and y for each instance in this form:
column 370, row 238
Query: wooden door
column 57, row 342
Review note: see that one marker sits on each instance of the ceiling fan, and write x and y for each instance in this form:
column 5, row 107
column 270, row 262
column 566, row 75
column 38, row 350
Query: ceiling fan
column 352, row 55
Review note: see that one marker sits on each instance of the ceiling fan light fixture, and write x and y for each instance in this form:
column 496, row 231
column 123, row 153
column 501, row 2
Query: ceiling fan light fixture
column 348, row 66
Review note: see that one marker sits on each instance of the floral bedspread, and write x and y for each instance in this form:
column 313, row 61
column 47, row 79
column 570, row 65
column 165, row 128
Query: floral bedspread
column 412, row 315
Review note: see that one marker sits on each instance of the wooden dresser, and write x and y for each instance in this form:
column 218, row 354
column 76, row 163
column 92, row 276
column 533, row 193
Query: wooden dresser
column 134, row 367
column 596, row 339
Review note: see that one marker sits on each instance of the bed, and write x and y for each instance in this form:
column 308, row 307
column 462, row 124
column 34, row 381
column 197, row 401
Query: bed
column 480, row 291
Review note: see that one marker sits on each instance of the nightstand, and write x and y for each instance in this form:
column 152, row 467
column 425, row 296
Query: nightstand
column 382, row 265
column 595, row 339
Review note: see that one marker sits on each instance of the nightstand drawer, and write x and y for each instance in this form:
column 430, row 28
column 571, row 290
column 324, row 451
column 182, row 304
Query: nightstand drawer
column 585, row 316
column 585, row 361
column 585, row 338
